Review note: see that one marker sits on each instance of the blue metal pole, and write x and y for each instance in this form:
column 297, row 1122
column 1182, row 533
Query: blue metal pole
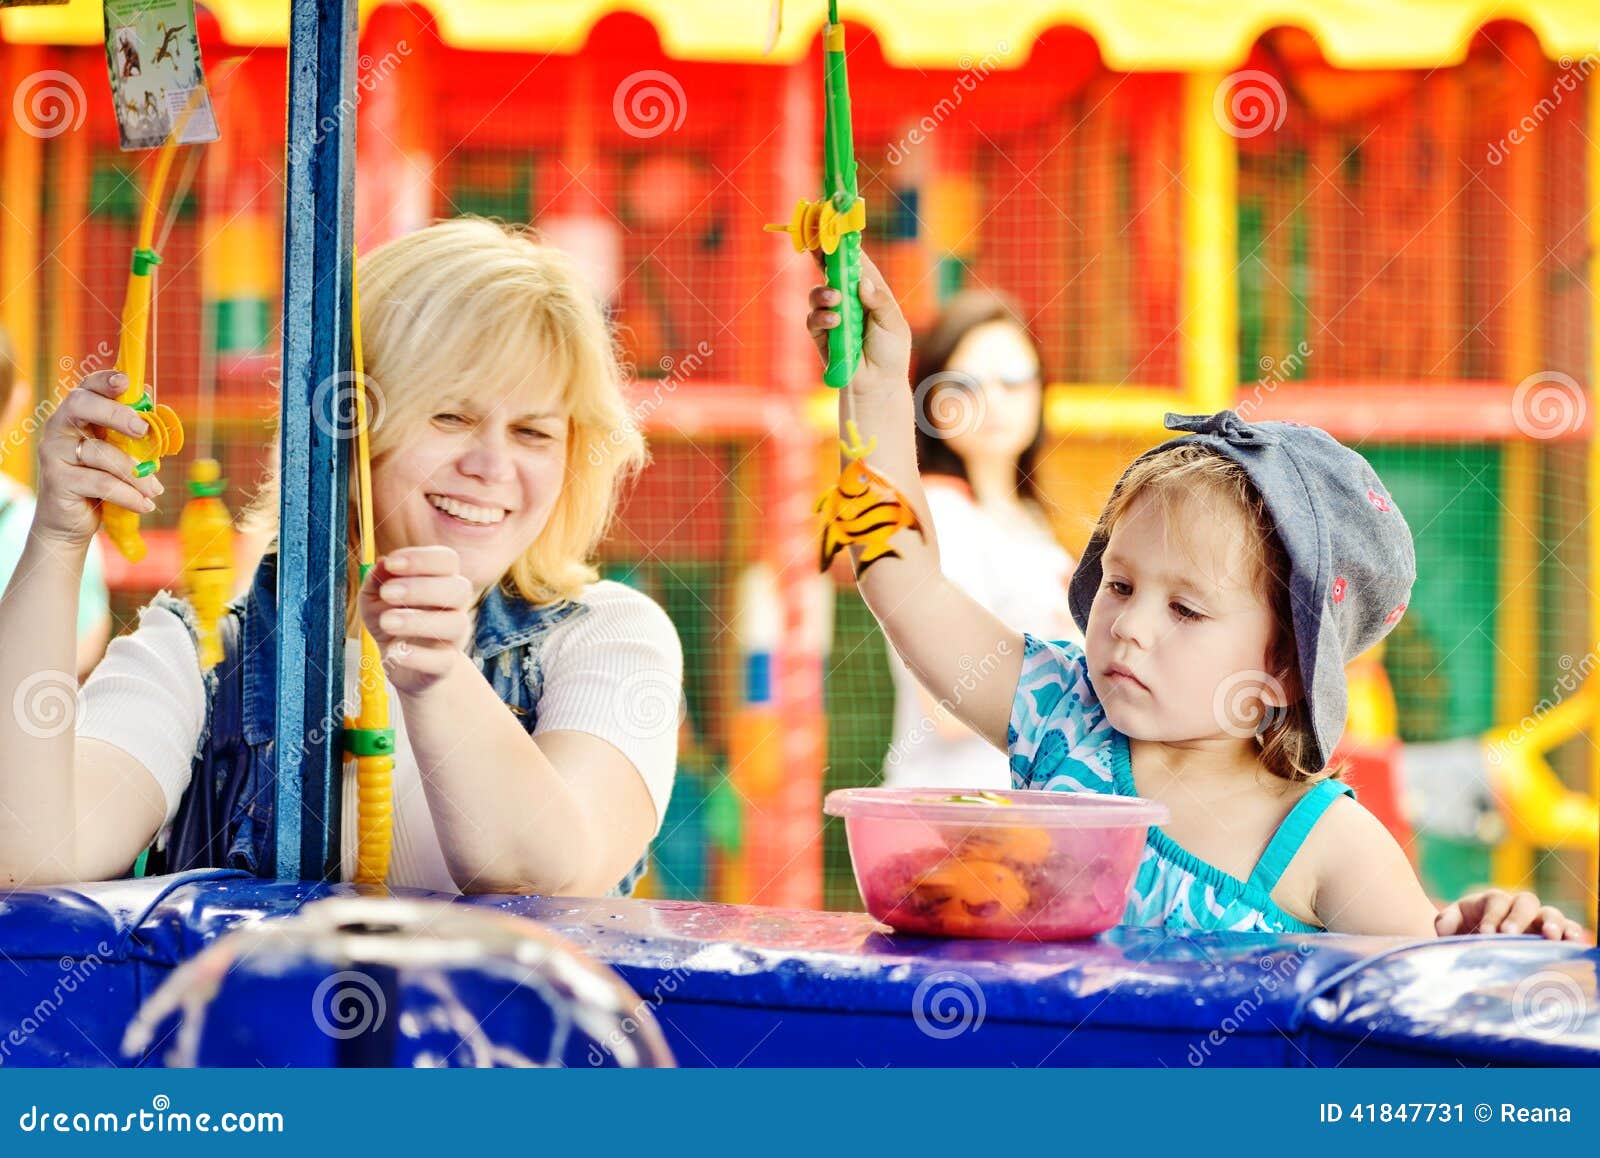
column 313, row 527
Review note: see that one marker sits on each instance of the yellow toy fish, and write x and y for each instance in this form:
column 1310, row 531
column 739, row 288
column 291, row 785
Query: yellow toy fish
column 863, row 507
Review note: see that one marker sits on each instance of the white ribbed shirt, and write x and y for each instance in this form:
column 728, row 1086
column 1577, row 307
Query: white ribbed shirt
column 615, row 672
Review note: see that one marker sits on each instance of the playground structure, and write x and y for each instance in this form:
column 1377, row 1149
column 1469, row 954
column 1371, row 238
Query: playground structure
column 1387, row 229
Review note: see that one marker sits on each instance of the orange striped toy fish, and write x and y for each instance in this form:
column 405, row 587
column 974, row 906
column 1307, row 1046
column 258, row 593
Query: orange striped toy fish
column 863, row 507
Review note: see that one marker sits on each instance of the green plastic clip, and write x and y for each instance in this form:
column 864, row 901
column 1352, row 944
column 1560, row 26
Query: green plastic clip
column 210, row 490
column 144, row 260
column 369, row 741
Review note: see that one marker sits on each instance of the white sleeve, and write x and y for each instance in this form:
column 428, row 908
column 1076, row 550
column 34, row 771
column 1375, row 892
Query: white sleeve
column 963, row 558
column 617, row 673
column 147, row 698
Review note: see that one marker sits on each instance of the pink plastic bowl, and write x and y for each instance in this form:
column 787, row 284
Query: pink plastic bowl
column 1023, row 866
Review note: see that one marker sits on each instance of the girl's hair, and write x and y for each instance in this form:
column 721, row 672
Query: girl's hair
column 1190, row 473
column 471, row 305
column 963, row 313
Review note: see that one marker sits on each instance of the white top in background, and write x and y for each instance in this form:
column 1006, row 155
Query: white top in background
column 1017, row 570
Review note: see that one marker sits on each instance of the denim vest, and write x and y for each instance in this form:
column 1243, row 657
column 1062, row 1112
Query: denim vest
column 225, row 818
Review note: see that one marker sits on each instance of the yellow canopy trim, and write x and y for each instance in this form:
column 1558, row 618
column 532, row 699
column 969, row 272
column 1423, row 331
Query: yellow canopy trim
column 1133, row 35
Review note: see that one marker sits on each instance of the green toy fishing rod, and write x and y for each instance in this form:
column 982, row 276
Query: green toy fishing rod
column 833, row 223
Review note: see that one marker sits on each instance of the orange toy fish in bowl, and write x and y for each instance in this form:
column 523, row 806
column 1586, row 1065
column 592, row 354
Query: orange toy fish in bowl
column 1024, row 865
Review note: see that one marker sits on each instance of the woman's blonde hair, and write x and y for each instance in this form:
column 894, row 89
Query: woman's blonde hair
column 1190, row 473
column 469, row 304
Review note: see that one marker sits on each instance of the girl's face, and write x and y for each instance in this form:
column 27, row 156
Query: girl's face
column 1000, row 359
column 1178, row 634
column 480, row 475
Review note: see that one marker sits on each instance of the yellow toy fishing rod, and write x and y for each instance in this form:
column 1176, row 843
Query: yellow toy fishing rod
column 368, row 738
column 165, row 435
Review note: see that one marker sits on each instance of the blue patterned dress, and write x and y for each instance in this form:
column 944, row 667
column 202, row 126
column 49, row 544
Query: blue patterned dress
column 1059, row 739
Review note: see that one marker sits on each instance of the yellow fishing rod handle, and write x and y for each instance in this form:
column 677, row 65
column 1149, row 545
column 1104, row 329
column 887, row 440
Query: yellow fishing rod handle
column 164, row 435
column 370, row 742
column 375, row 828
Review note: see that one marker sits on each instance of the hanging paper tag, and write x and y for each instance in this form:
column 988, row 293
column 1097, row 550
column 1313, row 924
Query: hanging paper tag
column 157, row 81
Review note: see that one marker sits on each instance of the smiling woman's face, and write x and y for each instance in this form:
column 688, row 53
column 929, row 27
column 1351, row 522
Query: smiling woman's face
column 479, row 475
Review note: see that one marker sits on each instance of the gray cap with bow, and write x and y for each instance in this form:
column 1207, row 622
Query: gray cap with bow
column 1350, row 553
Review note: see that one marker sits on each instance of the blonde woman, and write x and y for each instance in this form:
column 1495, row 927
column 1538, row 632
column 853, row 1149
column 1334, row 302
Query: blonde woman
column 535, row 707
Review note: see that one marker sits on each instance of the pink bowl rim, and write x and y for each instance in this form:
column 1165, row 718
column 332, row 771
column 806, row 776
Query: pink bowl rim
column 1034, row 806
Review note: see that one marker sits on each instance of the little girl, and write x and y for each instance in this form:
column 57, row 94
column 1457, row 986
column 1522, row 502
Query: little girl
column 1232, row 575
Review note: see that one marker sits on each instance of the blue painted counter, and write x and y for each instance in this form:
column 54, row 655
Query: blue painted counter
column 736, row 985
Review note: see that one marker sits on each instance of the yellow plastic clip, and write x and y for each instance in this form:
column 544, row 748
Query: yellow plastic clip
column 853, row 448
column 818, row 225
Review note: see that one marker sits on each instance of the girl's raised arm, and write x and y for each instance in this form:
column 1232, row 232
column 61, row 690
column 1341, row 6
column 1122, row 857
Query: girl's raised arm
column 968, row 659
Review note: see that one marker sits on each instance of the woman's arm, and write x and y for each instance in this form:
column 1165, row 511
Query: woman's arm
column 566, row 813
column 942, row 634
column 52, row 828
